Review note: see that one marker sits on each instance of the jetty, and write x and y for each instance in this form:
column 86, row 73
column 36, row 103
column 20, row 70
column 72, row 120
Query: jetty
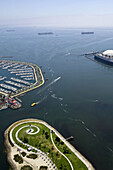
column 70, row 138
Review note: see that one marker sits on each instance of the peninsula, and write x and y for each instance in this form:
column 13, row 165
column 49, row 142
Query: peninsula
column 34, row 144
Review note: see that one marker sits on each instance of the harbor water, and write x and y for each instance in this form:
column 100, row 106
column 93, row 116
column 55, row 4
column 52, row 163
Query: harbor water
column 76, row 99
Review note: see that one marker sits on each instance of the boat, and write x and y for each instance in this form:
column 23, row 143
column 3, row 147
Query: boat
column 87, row 32
column 105, row 57
column 33, row 104
column 45, row 33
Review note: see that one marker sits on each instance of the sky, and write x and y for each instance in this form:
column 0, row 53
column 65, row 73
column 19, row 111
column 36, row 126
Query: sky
column 57, row 13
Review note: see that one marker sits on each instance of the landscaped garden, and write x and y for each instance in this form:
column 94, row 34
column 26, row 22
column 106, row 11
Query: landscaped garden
column 39, row 137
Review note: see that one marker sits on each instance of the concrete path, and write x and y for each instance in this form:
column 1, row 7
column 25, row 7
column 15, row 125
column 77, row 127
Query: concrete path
column 61, row 152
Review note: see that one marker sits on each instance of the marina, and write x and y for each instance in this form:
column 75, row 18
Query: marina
column 20, row 81
column 5, row 91
column 2, row 78
column 26, row 78
column 19, row 74
column 8, row 87
column 15, row 84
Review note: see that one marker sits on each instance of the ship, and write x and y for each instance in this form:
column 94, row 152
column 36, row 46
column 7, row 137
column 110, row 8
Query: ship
column 105, row 57
column 33, row 104
column 45, row 33
column 87, row 32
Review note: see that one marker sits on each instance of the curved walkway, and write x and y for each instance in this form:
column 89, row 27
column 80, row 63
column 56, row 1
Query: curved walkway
column 82, row 158
column 61, row 152
column 29, row 146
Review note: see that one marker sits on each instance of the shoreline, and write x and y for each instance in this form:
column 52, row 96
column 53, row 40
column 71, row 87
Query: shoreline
column 77, row 153
column 8, row 149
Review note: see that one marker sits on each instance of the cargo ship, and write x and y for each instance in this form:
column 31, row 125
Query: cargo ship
column 33, row 104
column 45, row 33
column 87, row 32
column 105, row 57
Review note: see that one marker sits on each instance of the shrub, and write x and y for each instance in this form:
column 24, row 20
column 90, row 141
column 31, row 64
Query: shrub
column 32, row 156
column 26, row 167
column 66, row 150
column 25, row 140
column 47, row 136
column 43, row 168
column 57, row 139
column 23, row 154
column 18, row 159
column 61, row 142
column 43, row 131
column 33, row 150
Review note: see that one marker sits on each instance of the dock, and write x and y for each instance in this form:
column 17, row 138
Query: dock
column 91, row 53
column 70, row 138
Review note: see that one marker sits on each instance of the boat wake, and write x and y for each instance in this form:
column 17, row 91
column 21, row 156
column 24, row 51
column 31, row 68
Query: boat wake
column 55, row 97
column 95, row 101
column 67, row 54
column 83, row 123
column 90, row 131
column 65, row 111
column 53, row 82
column 52, row 72
column 111, row 150
column 45, row 97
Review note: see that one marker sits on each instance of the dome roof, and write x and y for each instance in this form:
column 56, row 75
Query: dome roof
column 108, row 52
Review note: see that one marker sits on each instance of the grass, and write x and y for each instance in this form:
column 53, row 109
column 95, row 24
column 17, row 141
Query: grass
column 76, row 162
column 42, row 141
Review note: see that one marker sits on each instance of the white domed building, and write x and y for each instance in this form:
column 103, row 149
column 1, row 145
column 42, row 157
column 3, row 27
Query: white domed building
column 108, row 53
column 105, row 57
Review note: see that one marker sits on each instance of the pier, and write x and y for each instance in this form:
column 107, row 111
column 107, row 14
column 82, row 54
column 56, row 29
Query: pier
column 70, row 138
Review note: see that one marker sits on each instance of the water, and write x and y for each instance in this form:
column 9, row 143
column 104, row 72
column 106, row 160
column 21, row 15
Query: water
column 77, row 99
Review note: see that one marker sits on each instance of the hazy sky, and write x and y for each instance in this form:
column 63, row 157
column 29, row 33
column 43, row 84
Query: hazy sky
column 69, row 13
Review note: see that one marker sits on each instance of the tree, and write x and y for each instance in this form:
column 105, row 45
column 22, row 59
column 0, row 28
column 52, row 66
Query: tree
column 43, row 131
column 57, row 139
column 47, row 136
column 25, row 140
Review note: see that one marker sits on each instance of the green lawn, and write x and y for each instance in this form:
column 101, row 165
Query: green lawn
column 42, row 141
column 77, row 163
